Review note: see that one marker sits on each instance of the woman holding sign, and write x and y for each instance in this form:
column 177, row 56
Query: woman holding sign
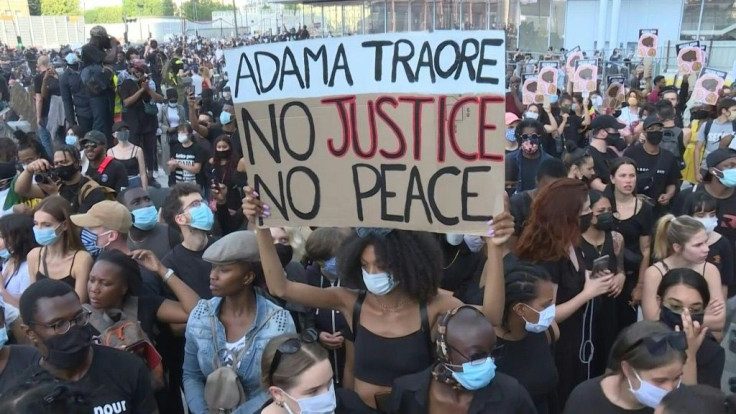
column 399, row 300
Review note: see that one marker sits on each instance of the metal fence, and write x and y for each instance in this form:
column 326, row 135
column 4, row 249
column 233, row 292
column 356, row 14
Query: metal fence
column 43, row 31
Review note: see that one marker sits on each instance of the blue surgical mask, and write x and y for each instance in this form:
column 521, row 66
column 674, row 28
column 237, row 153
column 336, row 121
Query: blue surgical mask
column 45, row 236
column 546, row 317
column 454, row 239
column 3, row 336
column 474, row 243
column 145, row 218
column 4, row 254
column 330, row 267
column 511, row 135
column 648, row 394
column 531, row 115
column 476, row 374
column 379, row 283
column 324, row 403
column 202, row 217
column 225, row 118
column 729, row 177
column 70, row 140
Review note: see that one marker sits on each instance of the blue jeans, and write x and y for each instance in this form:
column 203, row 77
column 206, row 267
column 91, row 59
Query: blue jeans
column 45, row 137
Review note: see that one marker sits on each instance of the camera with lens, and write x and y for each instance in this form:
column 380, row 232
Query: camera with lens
column 47, row 177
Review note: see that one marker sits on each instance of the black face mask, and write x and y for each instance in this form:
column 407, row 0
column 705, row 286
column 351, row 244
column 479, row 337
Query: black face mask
column 672, row 318
column 604, row 221
column 613, row 138
column 654, row 137
column 585, row 222
column 223, row 155
column 66, row 172
column 69, row 350
column 285, row 252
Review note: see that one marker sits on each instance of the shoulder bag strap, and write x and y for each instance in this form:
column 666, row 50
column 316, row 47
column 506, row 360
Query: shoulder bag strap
column 247, row 346
column 104, row 164
column 356, row 312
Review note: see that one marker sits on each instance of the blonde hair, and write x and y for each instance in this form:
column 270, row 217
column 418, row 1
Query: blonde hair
column 291, row 365
column 673, row 230
column 297, row 241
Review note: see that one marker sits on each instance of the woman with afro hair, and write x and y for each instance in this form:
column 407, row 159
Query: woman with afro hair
column 397, row 275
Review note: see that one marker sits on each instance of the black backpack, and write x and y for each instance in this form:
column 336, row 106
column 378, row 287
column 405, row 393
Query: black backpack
column 97, row 78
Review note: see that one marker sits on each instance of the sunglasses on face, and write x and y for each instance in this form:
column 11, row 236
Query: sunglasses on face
column 90, row 145
column 529, row 137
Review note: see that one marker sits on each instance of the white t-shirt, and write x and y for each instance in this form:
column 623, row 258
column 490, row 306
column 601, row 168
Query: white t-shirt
column 173, row 115
column 17, row 283
column 3, row 196
column 197, row 83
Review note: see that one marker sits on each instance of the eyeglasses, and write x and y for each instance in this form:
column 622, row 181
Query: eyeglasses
column 62, row 327
column 193, row 204
column 657, row 345
column 90, row 145
column 475, row 359
column 291, row 346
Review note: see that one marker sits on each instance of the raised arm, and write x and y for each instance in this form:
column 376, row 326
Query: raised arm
column 501, row 228
column 278, row 285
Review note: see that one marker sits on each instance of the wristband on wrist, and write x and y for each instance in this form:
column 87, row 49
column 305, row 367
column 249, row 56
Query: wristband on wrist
column 168, row 275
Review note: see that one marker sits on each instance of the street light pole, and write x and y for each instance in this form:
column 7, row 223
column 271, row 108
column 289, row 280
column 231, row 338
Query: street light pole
column 235, row 18
column 140, row 24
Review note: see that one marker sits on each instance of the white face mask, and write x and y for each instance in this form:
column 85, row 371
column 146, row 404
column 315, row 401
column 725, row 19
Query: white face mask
column 379, row 283
column 183, row 138
column 546, row 317
column 648, row 394
column 710, row 223
column 324, row 403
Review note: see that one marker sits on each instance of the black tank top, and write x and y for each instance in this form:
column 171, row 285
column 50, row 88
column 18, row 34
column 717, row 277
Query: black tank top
column 590, row 252
column 68, row 279
column 532, row 363
column 380, row 360
column 131, row 164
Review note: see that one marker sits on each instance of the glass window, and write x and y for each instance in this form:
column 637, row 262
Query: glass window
column 718, row 21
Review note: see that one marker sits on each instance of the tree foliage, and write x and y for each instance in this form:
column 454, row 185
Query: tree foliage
column 34, row 7
column 60, row 7
column 150, row 8
column 201, row 10
column 111, row 14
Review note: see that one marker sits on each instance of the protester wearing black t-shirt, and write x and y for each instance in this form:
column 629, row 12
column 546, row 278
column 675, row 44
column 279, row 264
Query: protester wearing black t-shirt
column 657, row 170
column 605, row 134
column 572, row 126
column 57, row 324
column 102, row 49
column 106, row 171
column 187, row 159
column 139, row 98
column 643, row 352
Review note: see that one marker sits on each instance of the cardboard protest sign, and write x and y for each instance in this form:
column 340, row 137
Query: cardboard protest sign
column 647, row 46
column 570, row 64
column 401, row 130
column 615, row 91
column 690, row 57
column 547, row 78
column 530, row 93
column 585, row 78
column 709, row 86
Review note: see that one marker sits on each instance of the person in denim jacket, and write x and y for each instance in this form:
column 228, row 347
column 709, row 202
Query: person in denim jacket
column 243, row 319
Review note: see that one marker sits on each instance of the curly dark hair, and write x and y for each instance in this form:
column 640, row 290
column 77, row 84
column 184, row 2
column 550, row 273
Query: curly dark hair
column 172, row 205
column 413, row 258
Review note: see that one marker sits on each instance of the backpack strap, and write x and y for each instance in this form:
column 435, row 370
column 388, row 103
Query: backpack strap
column 84, row 191
column 104, row 164
column 357, row 307
column 706, row 131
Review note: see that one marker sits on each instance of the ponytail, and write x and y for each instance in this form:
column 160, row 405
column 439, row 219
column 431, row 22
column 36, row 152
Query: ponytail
column 661, row 248
column 673, row 230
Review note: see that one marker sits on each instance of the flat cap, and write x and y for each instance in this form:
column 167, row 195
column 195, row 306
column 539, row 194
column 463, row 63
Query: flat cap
column 239, row 246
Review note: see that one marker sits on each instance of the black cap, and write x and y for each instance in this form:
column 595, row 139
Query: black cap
column 94, row 136
column 119, row 125
column 652, row 120
column 718, row 156
column 605, row 122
